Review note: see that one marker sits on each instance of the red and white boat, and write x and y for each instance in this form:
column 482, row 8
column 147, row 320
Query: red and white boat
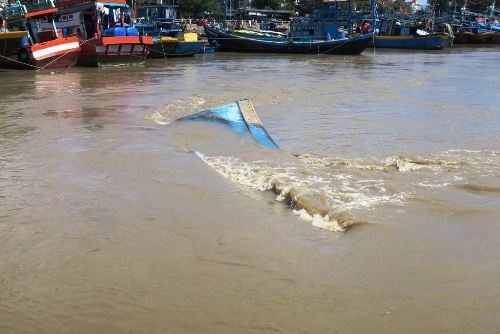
column 39, row 48
column 107, row 36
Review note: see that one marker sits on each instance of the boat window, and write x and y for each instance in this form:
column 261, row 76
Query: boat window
column 311, row 31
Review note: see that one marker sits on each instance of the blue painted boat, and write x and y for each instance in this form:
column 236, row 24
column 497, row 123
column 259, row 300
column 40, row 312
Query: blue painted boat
column 240, row 116
column 429, row 42
column 325, row 32
column 158, row 21
column 408, row 35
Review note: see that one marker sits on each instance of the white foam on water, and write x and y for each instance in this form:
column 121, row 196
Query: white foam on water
column 339, row 193
column 178, row 108
column 319, row 161
column 322, row 222
column 433, row 185
column 158, row 118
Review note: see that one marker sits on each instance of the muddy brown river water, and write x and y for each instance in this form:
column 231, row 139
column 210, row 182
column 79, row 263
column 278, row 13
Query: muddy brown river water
column 114, row 220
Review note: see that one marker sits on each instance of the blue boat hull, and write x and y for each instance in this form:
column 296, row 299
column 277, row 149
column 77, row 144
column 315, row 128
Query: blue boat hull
column 240, row 116
column 175, row 49
column 430, row 42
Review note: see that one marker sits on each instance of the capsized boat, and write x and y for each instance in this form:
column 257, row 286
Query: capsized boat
column 26, row 44
column 240, row 116
column 107, row 35
column 392, row 34
column 170, row 40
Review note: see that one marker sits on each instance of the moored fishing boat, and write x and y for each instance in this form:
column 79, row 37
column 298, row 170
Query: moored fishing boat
column 229, row 41
column 169, row 39
column 475, row 33
column 27, row 45
column 326, row 32
column 394, row 35
column 107, row 36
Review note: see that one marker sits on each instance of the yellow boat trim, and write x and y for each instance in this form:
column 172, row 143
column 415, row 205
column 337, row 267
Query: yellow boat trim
column 183, row 37
column 168, row 39
column 12, row 34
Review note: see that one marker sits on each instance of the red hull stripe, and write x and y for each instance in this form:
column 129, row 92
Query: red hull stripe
column 54, row 42
column 42, row 12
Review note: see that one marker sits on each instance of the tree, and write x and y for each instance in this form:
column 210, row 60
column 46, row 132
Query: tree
column 195, row 8
column 305, row 6
column 274, row 4
column 480, row 6
column 440, row 6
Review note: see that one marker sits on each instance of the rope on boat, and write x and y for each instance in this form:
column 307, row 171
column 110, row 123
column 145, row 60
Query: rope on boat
column 163, row 49
column 329, row 50
column 37, row 68
column 19, row 62
column 56, row 59
column 167, row 54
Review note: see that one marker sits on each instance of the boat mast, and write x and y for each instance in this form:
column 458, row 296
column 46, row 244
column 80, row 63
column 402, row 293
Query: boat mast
column 349, row 21
column 374, row 16
column 225, row 15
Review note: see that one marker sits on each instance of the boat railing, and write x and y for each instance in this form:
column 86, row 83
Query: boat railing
column 18, row 10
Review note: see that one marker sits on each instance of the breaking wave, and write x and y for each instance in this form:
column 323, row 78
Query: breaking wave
column 327, row 200
column 335, row 193
column 176, row 109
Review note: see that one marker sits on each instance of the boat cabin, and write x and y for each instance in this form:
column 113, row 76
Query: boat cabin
column 158, row 20
column 30, row 18
column 327, row 23
column 87, row 19
column 393, row 27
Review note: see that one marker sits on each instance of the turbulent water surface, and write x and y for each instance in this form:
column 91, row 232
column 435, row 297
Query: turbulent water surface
column 115, row 220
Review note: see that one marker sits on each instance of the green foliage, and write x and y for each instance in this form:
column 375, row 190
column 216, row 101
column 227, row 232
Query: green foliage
column 195, row 8
column 305, row 6
column 274, row 4
column 440, row 6
column 479, row 6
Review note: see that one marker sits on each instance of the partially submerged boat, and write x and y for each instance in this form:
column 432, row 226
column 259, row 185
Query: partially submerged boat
column 323, row 33
column 169, row 38
column 26, row 44
column 106, row 33
column 240, row 116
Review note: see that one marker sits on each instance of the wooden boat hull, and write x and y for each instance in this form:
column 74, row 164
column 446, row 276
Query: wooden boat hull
column 57, row 53
column 429, row 42
column 10, row 43
column 114, row 51
column 468, row 37
column 228, row 41
column 175, row 49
